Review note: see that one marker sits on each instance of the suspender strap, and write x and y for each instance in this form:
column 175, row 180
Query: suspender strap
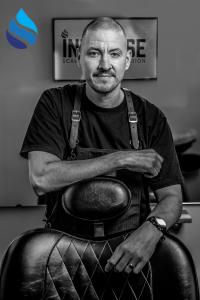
column 76, row 117
column 132, row 118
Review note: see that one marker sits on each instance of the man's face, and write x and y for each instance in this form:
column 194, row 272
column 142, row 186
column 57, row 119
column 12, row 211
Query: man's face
column 104, row 59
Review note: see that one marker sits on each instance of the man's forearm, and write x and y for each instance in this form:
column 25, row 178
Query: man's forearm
column 48, row 173
column 169, row 206
column 61, row 173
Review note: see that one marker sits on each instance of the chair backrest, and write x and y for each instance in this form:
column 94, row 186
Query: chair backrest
column 174, row 273
column 36, row 266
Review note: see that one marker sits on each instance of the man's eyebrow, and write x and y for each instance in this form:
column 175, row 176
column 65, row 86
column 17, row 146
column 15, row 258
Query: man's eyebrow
column 99, row 49
column 116, row 49
column 93, row 48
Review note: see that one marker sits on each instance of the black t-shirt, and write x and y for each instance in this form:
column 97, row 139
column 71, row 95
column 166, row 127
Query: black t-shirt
column 104, row 128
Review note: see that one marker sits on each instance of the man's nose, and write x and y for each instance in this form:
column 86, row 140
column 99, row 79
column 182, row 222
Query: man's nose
column 105, row 62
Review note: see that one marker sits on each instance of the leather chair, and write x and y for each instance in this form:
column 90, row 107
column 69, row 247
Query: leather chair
column 36, row 266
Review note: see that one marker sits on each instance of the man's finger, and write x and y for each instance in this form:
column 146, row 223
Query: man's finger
column 122, row 263
column 113, row 260
column 129, row 268
column 160, row 158
column 154, row 173
column 139, row 267
column 150, row 152
column 108, row 267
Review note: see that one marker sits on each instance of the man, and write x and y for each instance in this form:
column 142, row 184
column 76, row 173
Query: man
column 103, row 58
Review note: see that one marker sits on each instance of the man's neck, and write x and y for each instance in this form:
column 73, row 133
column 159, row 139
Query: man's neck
column 105, row 100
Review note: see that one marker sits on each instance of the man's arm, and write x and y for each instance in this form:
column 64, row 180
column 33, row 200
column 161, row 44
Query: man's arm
column 169, row 205
column 138, row 248
column 48, row 173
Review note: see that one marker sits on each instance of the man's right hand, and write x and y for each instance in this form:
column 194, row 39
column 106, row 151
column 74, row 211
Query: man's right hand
column 147, row 161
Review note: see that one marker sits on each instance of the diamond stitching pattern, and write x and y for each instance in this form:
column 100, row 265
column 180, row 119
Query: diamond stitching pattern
column 57, row 274
column 76, row 272
column 149, row 284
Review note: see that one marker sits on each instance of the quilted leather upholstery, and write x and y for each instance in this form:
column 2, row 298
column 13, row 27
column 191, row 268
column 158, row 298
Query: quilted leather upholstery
column 37, row 266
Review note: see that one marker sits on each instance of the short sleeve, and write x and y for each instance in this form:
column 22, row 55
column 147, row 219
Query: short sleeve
column 162, row 142
column 45, row 131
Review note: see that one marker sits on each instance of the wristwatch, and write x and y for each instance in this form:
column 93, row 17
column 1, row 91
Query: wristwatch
column 159, row 223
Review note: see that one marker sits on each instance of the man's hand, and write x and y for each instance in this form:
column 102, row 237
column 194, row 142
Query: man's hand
column 137, row 249
column 147, row 161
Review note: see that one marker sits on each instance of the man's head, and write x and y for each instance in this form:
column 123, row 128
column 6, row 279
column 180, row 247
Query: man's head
column 103, row 54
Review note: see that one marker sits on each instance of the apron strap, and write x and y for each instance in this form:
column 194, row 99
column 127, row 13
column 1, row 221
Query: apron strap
column 76, row 117
column 133, row 119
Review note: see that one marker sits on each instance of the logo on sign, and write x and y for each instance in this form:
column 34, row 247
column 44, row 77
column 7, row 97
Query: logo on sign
column 69, row 47
column 22, row 31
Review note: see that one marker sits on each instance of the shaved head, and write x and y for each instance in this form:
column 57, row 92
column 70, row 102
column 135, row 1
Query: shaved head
column 105, row 23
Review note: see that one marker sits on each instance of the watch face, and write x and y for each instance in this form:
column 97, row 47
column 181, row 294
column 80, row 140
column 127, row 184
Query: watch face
column 161, row 222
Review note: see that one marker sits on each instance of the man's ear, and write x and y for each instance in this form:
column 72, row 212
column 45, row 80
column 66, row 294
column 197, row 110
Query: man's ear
column 128, row 59
column 78, row 57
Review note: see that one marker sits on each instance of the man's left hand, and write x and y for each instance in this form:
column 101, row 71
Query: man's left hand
column 136, row 250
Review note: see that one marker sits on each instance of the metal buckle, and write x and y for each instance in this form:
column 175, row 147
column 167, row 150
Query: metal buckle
column 73, row 155
column 76, row 115
column 99, row 229
column 133, row 117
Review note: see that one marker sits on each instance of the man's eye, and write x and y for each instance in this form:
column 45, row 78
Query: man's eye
column 115, row 54
column 93, row 53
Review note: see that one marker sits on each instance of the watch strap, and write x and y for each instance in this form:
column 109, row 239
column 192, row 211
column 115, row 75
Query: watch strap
column 153, row 221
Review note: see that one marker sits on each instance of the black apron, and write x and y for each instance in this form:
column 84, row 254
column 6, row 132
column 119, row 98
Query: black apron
column 130, row 219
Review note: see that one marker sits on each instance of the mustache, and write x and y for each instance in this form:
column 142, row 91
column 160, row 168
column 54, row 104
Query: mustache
column 103, row 73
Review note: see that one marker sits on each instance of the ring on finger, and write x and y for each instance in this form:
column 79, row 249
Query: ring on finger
column 131, row 266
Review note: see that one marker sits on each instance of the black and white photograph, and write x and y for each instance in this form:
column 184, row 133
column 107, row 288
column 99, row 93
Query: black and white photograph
column 99, row 150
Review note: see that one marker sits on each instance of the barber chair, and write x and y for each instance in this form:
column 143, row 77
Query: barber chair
column 36, row 266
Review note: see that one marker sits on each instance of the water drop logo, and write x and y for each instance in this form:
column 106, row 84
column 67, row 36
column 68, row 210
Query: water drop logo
column 22, row 31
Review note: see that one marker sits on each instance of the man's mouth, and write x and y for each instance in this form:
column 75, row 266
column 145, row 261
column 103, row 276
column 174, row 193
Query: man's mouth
column 103, row 75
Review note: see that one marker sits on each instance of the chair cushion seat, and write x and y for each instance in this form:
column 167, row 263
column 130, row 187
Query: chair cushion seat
column 47, row 264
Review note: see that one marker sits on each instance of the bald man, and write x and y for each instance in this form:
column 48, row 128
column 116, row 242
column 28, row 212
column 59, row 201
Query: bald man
column 114, row 134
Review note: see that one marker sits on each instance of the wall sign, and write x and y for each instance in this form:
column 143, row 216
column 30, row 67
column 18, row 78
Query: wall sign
column 141, row 39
